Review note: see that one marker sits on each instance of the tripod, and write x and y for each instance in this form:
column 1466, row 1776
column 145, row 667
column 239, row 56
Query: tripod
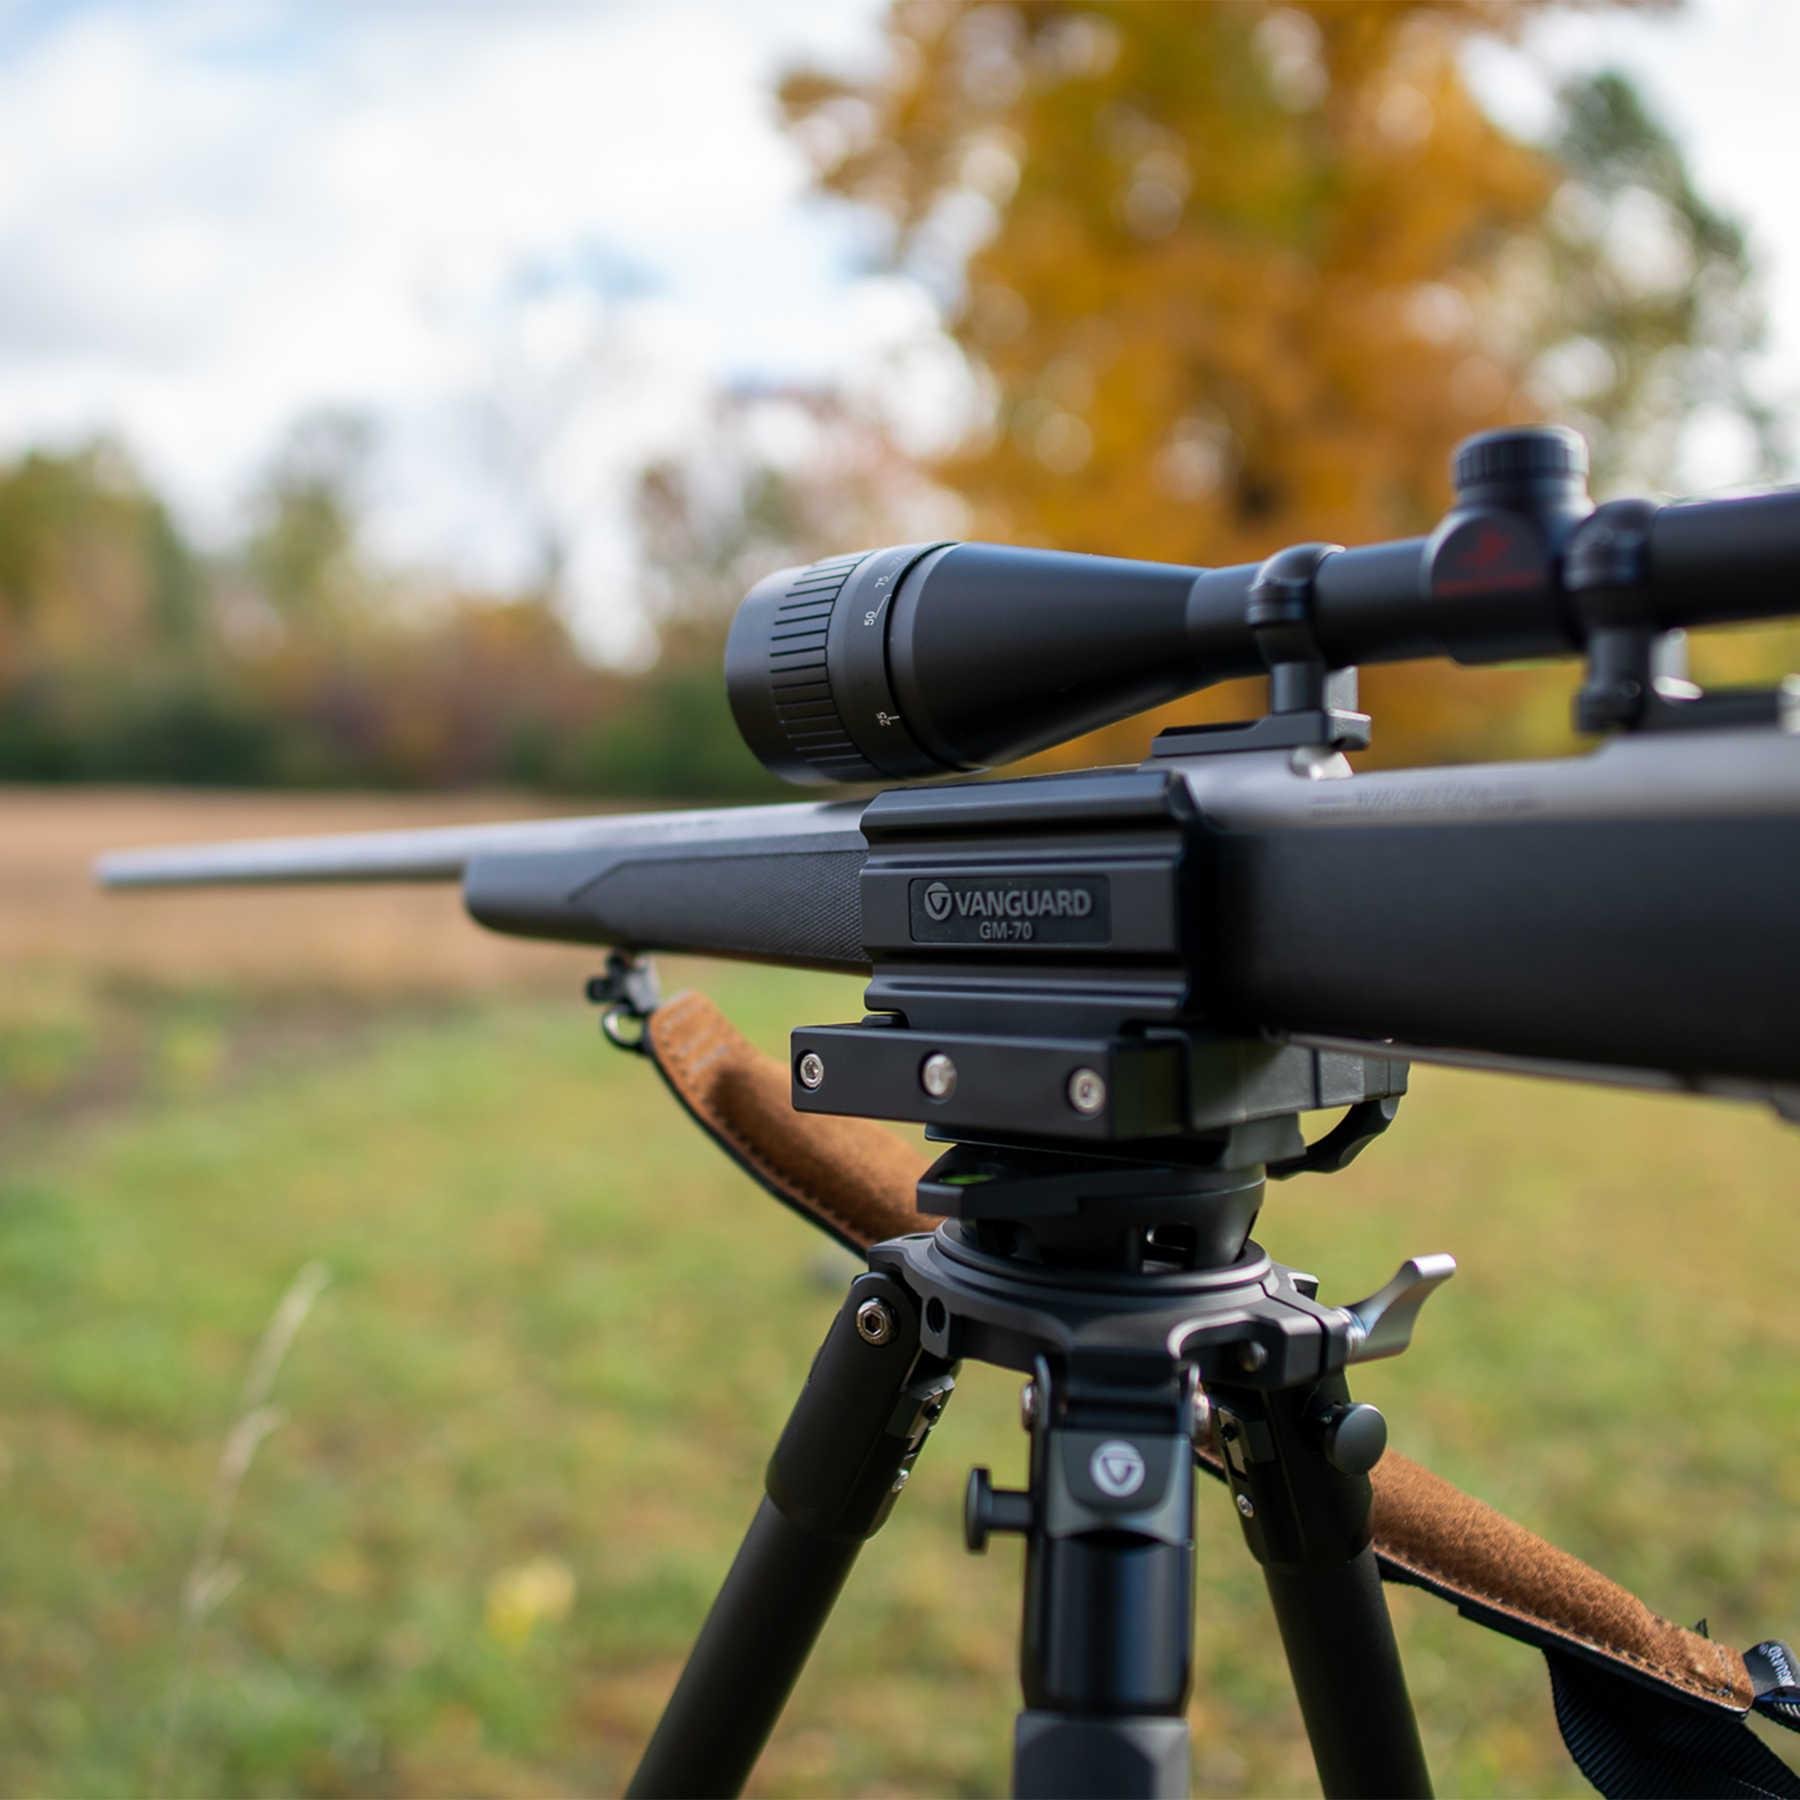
column 1151, row 1327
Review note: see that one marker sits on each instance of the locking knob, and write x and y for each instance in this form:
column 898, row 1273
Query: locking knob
column 1520, row 466
column 1353, row 1436
column 988, row 1509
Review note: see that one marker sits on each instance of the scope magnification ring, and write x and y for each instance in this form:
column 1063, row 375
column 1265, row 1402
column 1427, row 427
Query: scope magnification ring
column 856, row 659
column 807, row 670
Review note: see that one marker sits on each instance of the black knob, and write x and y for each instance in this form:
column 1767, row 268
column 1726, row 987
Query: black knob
column 987, row 1509
column 1527, row 464
column 1354, row 1437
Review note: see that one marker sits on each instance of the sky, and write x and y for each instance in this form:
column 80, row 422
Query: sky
column 527, row 241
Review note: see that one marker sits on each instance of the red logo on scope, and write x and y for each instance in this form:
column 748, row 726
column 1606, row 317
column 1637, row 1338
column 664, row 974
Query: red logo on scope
column 1487, row 556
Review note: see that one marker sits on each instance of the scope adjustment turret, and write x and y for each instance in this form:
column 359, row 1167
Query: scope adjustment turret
column 1521, row 466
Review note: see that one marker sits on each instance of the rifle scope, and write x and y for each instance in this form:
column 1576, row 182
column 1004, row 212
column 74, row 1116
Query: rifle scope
column 929, row 659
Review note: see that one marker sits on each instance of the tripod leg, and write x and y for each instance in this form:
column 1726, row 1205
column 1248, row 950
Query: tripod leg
column 1307, row 1523
column 1106, row 1650
column 869, row 1401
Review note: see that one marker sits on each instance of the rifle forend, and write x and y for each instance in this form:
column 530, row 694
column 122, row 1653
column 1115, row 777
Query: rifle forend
column 764, row 883
column 1630, row 910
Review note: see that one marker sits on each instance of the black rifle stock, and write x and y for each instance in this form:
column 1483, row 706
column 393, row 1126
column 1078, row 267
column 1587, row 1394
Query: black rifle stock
column 1627, row 910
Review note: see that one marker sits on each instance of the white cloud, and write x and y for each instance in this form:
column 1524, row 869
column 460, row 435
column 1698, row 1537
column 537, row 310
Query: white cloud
column 524, row 239
column 528, row 237
column 1721, row 73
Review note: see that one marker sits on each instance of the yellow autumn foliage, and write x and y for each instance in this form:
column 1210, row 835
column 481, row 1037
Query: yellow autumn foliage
column 1234, row 275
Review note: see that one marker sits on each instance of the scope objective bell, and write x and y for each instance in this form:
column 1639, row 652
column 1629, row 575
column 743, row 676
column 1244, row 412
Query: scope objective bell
column 806, row 671
column 935, row 659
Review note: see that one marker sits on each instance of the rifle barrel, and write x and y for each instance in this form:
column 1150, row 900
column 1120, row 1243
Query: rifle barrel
column 439, row 854
column 1628, row 908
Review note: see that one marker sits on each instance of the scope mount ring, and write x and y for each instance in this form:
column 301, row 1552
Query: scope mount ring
column 1311, row 705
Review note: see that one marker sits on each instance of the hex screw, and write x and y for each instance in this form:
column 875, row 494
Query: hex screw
column 1246, row 1506
column 937, row 1076
column 875, row 1322
column 812, row 1070
column 1087, row 1092
column 1200, row 1419
column 1028, row 1406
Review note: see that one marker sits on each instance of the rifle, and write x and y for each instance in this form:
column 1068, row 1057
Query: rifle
column 1114, row 995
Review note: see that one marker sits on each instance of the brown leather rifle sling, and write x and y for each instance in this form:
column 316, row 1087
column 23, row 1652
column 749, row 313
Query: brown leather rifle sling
column 1646, row 1707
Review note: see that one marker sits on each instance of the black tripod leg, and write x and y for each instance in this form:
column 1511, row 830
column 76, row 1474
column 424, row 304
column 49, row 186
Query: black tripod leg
column 1307, row 1522
column 1107, row 1645
column 849, row 1444
column 1346, row 1668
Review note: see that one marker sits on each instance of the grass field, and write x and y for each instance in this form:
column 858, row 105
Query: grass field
column 539, row 1335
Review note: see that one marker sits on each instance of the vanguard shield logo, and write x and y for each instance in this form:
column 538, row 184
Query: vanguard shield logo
column 1117, row 1469
column 938, row 901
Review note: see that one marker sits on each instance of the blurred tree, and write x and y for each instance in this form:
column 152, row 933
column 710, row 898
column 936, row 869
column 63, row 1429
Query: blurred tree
column 483, row 688
column 302, row 557
column 90, row 561
column 1647, row 307
column 780, row 475
column 125, row 656
column 105, row 615
column 1239, row 274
